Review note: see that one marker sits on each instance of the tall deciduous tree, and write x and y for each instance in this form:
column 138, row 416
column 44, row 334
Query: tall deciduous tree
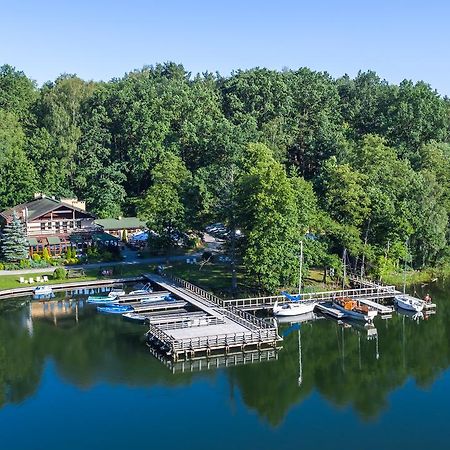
column 18, row 176
column 163, row 206
column 17, row 92
column 269, row 217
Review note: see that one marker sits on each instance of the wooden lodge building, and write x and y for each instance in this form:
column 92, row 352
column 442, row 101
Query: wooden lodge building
column 57, row 224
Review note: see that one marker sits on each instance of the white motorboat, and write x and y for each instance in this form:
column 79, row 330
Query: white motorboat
column 116, row 292
column 145, row 290
column 409, row 303
column 42, row 291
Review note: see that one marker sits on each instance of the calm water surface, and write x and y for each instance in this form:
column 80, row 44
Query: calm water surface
column 85, row 380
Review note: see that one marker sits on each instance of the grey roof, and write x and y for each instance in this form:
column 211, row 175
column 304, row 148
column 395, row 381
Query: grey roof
column 38, row 207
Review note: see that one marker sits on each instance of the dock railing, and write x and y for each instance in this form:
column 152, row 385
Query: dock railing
column 231, row 311
column 315, row 297
column 197, row 290
column 224, row 340
column 155, row 331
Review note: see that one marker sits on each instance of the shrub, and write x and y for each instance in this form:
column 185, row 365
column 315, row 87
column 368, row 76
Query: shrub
column 2, row 266
column 36, row 257
column 71, row 253
column 24, row 263
column 46, row 254
column 59, row 274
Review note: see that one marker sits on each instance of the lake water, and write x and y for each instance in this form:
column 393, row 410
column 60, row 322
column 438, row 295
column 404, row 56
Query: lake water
column 74, row 379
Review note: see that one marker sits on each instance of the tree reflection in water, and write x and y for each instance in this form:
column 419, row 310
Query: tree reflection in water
column 339, row 363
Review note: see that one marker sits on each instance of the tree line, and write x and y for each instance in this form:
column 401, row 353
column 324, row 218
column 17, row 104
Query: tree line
column 355, row 163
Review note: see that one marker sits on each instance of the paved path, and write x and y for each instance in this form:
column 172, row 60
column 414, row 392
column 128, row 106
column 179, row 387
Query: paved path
column 131, row 258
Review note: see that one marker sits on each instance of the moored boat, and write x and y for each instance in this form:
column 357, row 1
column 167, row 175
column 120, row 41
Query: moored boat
column 134, row 317
column 296, row 306
column 353, row 310
column 143, row 291
column 409, row 303
column 292, row 308
column 42, row 290
column 112, row 295
column 100, row 299
column 117, row 291
column 115, row 309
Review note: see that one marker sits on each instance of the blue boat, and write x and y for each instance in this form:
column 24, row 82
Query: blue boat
column 115, row 309
column 100, row 300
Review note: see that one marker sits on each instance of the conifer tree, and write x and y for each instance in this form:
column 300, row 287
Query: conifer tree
column 14, row 244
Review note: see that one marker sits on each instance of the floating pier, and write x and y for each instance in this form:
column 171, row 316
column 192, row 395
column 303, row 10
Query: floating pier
column 368, row 294
column 225, row 329
column 330, row 311
column 163, row 305
column 141, row 297
column 383, row 310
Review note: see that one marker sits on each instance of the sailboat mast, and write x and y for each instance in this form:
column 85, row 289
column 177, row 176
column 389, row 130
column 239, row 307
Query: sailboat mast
column 404, row 268
column 344, row 260
column 301, row 268
column 404, row 278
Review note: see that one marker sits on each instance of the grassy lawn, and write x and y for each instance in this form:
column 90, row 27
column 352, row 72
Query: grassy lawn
column 412, row 277
column 217, row 279
column 12, row 281
column 212, row 277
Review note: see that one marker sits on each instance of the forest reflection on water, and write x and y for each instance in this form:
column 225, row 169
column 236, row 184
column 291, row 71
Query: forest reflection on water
column 346, row 364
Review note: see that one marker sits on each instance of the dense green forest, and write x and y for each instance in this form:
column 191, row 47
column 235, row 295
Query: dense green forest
column 359, row 163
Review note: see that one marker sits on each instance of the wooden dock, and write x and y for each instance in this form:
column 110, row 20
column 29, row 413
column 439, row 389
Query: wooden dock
column 370, row 294
column 383, row 310
column 131, row 298
column 227, row 328
column 163, row 305
column 330, row 311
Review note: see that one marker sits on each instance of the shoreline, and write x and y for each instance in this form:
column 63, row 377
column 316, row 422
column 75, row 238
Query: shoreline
column 22, row 291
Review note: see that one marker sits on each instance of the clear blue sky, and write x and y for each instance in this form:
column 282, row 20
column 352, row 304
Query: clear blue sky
column 100, row 39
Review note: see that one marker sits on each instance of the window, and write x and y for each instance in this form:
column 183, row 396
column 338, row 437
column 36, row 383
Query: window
column 78, row 223
column 42, row 226
column 49, row 225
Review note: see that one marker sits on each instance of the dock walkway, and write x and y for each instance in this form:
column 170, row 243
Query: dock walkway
column 367, row 294
column 382, row 309
column 227, row 327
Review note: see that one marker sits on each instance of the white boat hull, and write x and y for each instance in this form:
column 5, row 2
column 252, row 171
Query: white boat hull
column 115, row 294
column 300, row 318
column 43, row 290
column 292, row 309
column 408, row 303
